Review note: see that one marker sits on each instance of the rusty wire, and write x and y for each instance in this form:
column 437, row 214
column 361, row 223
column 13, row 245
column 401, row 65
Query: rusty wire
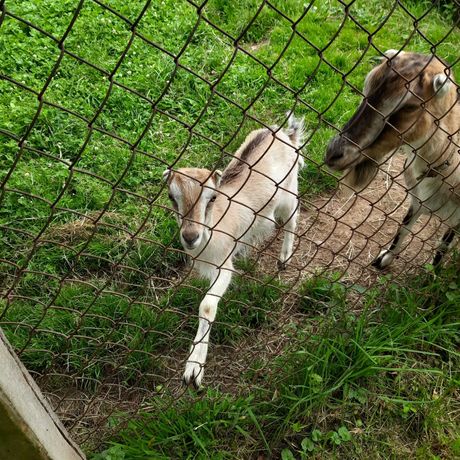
column 334, row 240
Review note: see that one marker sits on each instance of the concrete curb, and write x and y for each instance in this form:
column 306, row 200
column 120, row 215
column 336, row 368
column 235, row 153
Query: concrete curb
column 29, row 429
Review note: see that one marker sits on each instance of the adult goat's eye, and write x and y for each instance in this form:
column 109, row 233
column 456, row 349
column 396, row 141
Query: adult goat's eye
column 411, row 107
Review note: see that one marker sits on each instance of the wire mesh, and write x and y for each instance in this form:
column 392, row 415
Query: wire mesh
column 98, row 295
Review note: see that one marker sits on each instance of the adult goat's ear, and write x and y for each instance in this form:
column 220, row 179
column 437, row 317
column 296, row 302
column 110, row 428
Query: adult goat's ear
column 167, row 174
column 217, row 177
column 388, row 54
column 441, row 84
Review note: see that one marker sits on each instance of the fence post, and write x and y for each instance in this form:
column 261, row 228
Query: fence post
column 29, row 429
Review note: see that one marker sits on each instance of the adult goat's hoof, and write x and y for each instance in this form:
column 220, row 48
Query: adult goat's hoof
column 383, row 259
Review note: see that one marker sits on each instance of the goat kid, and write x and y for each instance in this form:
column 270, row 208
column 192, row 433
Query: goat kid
column 220, row 214
column 410, row 101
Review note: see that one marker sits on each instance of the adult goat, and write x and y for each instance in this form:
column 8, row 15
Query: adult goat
column 410, row 100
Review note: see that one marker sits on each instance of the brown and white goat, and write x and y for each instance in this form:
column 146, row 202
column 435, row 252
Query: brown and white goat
column 220, row 214
column 411, row 101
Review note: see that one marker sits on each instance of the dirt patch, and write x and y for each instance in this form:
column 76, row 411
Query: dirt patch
column 88, row 415
column 342, row 233
column 338, row 237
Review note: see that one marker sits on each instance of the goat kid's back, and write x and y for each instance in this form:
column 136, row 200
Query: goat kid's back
column 259, row 182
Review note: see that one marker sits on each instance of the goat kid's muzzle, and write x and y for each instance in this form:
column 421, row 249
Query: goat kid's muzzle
column 191, row 236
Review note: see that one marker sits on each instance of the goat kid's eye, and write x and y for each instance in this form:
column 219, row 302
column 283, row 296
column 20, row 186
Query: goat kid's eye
column 210, row 202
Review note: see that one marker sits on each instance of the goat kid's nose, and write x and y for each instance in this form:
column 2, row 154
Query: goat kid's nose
column 190, row 236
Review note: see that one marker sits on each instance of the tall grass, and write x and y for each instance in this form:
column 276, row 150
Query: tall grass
column 356, row 386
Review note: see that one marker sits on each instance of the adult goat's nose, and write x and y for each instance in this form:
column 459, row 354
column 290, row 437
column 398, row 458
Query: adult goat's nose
column 334, row 151
column 334, row 156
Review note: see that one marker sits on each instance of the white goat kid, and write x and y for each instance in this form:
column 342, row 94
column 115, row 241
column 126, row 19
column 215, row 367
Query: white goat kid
column 220, row 214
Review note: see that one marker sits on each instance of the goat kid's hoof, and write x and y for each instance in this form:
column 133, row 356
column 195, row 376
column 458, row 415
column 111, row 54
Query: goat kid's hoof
column 281, row 265
column 193, row 375
column 383, row 260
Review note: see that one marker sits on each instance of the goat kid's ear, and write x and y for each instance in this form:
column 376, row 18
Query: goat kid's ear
column 441, row 84
column 217, row 176
column 167, row 173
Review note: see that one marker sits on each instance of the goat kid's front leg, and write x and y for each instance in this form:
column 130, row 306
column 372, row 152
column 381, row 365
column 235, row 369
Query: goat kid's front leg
column 387, row 256
column 194, row 368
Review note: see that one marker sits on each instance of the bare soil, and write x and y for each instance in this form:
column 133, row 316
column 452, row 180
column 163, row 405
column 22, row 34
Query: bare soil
column 344, row 232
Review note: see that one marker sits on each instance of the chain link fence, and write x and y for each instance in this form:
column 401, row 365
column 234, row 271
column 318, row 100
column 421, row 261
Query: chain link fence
column 98, row 297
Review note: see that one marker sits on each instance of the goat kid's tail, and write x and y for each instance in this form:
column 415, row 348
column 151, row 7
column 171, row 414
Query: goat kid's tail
column 296, row 130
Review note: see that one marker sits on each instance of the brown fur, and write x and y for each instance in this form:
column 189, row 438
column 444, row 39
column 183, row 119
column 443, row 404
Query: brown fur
column 411, row 101
column 187, row 179
column 241, row 158
column 406, row 79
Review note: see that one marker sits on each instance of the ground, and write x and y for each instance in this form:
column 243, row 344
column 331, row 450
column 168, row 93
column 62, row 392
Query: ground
column 328, row 359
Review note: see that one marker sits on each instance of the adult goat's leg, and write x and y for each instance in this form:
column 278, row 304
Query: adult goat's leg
column 194, row 368
column 444, row 245
column 386, row 256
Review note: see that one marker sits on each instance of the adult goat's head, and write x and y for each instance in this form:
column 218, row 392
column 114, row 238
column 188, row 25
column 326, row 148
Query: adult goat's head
column 404, row 97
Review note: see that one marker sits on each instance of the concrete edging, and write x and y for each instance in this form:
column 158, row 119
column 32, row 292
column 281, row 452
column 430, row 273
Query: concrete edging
column 29, row 429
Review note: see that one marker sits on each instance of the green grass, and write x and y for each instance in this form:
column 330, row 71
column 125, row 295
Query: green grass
column 248, row 305
column 89, row 331
column 359, row 386
column 84, row 221
column 90, row 337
